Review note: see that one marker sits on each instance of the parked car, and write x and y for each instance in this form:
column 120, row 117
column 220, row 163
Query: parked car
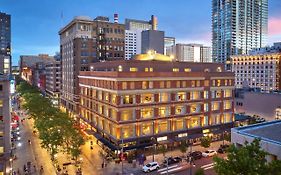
column 195, row 155
column 172, row 160
column 222, row 149
column 209, row 153
column 150, row 167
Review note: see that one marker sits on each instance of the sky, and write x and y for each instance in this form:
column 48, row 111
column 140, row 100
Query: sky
column 35, row 23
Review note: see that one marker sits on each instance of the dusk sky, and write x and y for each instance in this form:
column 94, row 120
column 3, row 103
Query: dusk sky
column 35, row 23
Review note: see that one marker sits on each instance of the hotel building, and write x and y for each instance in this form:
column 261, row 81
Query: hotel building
column 154, row 97
column 83, row 41
column 260, row 70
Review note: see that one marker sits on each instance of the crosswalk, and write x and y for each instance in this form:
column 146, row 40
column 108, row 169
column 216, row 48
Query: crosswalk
column 170, row 169
column 208, row 166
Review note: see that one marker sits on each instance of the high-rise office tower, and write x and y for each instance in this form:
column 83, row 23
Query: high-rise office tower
column 85, row 41
column 238, row 26
column 5, row 43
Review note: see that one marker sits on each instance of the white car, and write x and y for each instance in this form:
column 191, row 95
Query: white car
column 150, row 167
column 209, row 153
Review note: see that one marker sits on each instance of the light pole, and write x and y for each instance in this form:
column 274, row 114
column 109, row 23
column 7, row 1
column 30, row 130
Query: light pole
column 154, row 146
column 190, row 159
column 122, row 155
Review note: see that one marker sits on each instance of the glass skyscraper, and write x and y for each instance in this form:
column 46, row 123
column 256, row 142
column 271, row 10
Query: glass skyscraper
column 5, row 43
column 238, row 26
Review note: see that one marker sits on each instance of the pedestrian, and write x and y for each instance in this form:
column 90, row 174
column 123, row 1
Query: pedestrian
column 34, row 167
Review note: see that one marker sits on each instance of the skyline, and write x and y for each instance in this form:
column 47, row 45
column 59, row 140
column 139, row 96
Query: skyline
column 173, row 19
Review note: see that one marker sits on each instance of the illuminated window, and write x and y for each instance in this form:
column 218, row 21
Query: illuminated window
column 132, row 85
column 215, row 106
column 181, row 96
column 126, row 115
column 147, row 129
column 124, row 85
column 147, row 98
column 206, row 107
column 144, row 85
column 175, row 69
column 205, row 121
column 218, row 82
column 113, row 98
column 218, row 94
column 178, row 124
column 162, row 126
column 105, row 111
column 147, row 113
column 214, row 83
column 192, row 83
column 225, row 82
column 150, row 85
column 227, row 93
column 179, row 110
column 219, row 69
column 106, row 96
column 164, row 111
column 227, row 117
column 148, row 69
column 100, row 95
column 162, row 84
column 128, row 99
column 227, row 105
column 197, row 83
column 113, row 114
column 195, row 108
column 178, row 84
column 100, row 109
column 163, row 97
column 195, row 122
column 206, row 94
column 168, row 84
column 195, row 95
column 187, row 69
column 206, row 83
column 128, row 131
column 183, row 84
column 133, row 69
column 206, row 70
column 1, row 103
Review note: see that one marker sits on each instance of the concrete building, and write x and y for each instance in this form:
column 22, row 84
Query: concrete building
column 84, row 41
column 133, row 35
column 254, row 102
column 53, row 79
column 261, row 70
column 190, row 52
column 267, row 132
column 168, row 42
column 5, row 43
column 152, row 40
column 155, row 98
column 32, row 69
column 238, row 26
column 5, row 125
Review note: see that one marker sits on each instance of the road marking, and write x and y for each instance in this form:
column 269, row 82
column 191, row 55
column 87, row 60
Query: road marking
column 165, row 169
column 171, row 170
column 208, row 166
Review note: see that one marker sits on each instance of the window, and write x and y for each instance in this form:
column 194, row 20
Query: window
column 219, row 69
column 192, row 83
column 218, row 94
column 195, row 108
column 181, row 96
column 164, row 111
column 179, row 110
column 162, row 84
column 227, row 93
column 206, row 83
column 215, row 106
column 227, row 117
column 168, row 84
column 126, row 115
column 120, row 68
column 147, row 98
column 195, row 122
column 178, row 124
column 218, row 82
column 144, row 85
column 227, row 105
column 163, row 97
column 205, row 121
column 133, row 69
column 148, row 69
column 206, row 107
column 178, row 84
column 1, row 87
column 162, row 126
column 183, row 84
column 146, row 113
column 197, row 83
column 195, row 95
column 124, row 85
column 128, row 131
column 132, row 85
column 1, row 103
column 113, row 98
column 206, row 94
column 147, row 129
column 128, row 99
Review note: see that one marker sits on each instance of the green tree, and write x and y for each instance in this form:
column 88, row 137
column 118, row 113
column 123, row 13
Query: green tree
column 163, row 149
column 200, row 171
column 206, row 142
column 183, row 147
column 247, row 160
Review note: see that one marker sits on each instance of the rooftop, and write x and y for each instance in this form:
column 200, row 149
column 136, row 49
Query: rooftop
column 264, row 131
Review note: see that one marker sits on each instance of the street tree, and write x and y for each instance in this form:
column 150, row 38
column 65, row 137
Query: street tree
column 206, row 142
column 183, row 147
column 163, row 149
column 246, row 160
column 200, row 171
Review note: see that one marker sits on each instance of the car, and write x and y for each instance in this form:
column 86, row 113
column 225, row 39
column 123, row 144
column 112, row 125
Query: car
column 209, row 153
column 195, row 155
column 150, row 167
column 172, row 160
column 222, row 149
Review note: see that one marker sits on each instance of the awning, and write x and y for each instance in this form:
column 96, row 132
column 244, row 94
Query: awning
column 139, row 146
column 195, row 136
column 104, row 141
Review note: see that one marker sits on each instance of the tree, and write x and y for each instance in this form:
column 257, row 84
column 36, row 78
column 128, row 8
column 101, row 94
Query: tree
column 163, row 149
column 206, row 142
column 183, row 147
column 247, row 160
column 200, row 171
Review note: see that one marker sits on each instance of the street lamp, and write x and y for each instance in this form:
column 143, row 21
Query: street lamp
column 190, row 158
column 154, row 146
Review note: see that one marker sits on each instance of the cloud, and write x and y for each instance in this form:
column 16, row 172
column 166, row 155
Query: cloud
column 202, row 38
